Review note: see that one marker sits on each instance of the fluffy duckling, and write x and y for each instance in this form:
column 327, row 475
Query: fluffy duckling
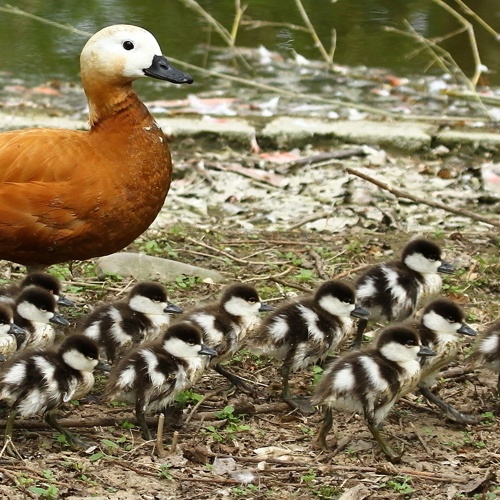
column 65, row 194
column 225, row 324
column 34, row 311
column 441, row 326
column 152, row 375
column 303, row 331
column 118, row 326
column 370, row 381
column 392, row 290
column 10, row 333
column 38, row 381
column 43, row 280
column 487, row 351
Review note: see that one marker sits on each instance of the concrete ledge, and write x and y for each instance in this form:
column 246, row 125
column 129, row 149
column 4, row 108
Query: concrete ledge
column 289, row 132
column 231, row 130
column 473, row 140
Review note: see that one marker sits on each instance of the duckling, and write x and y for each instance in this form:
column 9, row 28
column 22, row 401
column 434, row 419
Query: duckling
column 38, row 278
column 39, row 381
column 487, row 351
column 225, row 324
column 10, row 333
column 392, row 290
column 303, row 331
column 440, row 327
column 152, row 375
column 370, row 381
column 142, row 317
column 34, row 311
column 65, row 194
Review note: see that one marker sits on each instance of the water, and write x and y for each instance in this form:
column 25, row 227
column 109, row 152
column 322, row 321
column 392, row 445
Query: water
column 37, row 52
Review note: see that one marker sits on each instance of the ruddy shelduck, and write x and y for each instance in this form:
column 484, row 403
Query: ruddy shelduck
column 75, row 194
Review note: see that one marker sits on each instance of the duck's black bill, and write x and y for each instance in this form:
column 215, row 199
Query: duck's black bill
column 160, row 68
column 64, row 301
column 426, row 351
column 360, row 312
column 446, row 268
column 465, row 329
column 265, row 307
column 207, row 351
column 173, row 309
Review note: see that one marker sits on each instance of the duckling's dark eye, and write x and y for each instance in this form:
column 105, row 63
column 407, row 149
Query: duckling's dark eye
column 411, row 343
column 252, row 300
column 128, row 45
column 451, row 320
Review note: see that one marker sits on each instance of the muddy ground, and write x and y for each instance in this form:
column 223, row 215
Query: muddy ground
column 238, row 446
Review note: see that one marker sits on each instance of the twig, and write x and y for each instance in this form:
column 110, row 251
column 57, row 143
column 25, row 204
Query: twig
column 478, row 67
column 160, row 451
column 15, row 482
column 232, row 257
column 271, row 277
column 478, row 19
column 208, row 395
column 311, row 218
column 175, row 440
column 425, row 201
column 422, row 442
column 291, row 285
column 351, row 271
column 314, row 35
column 319, row 263
column 219, row 28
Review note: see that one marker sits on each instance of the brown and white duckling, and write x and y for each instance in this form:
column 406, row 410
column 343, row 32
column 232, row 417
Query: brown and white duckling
column 392, row 290
column 487, row 351
column 35, row 310
column 225, row 324
column 370, row 381
column 441, row 326
column 10, row 333
column 303, row 331
column 142, row 317
column 43, row 280
column 38, row 381
column 152, row 375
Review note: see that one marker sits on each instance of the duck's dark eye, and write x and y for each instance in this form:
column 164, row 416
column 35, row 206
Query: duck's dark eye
column 451, row 320
column 128, row 45
column 410, row 343
column 252, row 300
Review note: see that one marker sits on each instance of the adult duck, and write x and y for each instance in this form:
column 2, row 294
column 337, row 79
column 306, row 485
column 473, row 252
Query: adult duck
column 73, row 194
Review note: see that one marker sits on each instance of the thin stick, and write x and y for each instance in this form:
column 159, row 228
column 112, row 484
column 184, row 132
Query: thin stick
column 160, row 451
column 269, row 277
column 314, row 35
column 478, row 19
column 472, row 39
column 175, row 440
column 425, row 201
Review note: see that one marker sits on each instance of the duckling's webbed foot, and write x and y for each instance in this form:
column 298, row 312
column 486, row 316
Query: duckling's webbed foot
column 235, row 380
column 74, row 442
column 320, row 440
column 451, row 412
column 390, row 454
column 301, row 404
column 141, row 419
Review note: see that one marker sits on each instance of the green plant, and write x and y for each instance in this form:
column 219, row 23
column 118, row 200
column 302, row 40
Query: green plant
column 400, row 484
column 241, row 491
column 328, row 492
column 309, row 477
column 48, row 493
column 188, row 396
column 317, row 372
column 164, row 472
column 306, row 275
column 186, row 282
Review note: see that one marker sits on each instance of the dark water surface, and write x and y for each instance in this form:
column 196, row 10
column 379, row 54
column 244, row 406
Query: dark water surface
column 37, row 52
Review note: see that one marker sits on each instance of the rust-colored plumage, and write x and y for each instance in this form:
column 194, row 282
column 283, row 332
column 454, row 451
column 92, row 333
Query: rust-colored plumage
column 66, row 194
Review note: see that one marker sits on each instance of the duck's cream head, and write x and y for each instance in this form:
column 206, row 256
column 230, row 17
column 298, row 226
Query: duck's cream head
column 116, row 56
